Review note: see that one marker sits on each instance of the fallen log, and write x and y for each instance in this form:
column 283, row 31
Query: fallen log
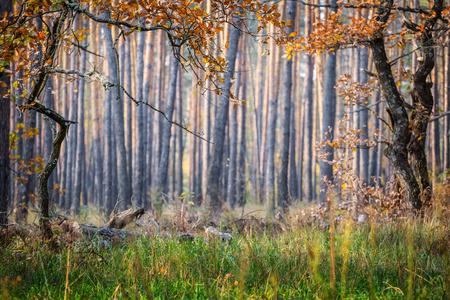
column 124, row 218
column 111, row 230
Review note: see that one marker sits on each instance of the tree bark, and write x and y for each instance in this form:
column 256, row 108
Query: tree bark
column 284, row 198
column 364, row 117
column 409, row 176
column 293, row 178
column 138, row 181
column 373, row 162
column 212, row 193
column 180, row 134
column 163, row 169
column 232, row 159
column 5, row 7
column 423, row 100
column 328, row 120
column 241, row 178
column 447, row 121
column 80, row 148
column 72, row 138
column 129, row 121
column 124, row 193
column 28, row 154
column 435, row 138
column 308, row 117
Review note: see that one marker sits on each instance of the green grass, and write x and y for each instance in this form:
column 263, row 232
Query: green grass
column 395, row 260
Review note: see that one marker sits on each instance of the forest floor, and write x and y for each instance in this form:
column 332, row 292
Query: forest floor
column 405, row 258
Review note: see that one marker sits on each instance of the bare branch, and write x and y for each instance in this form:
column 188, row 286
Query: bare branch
column 84, row 48
column 435, row 118
column 75, row 7
column 345, row 5
column 367, row 107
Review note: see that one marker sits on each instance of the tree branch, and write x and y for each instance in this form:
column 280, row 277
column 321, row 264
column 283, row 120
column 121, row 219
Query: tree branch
column 435, row 118
column 345, row 5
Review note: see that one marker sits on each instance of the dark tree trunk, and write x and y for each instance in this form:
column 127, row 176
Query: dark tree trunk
column 413, row 178
column 63, row 98
column 29, row 153
column 232, row 159
column 114, row 181
column 138, row 181
column 124, row 193
column 5, row 7
column 48, row 136
column 308, row 117
column 373, row 161
column 397, row 151
column 80, row 148
column 212, row 193
column 271, row 131
column 180, row 134
column 241, row 178
column 72, row 137
column 284, row 198
column 149, row 117
column 364, row 117
column 447, row 120
column 19, row 209
column 45, row 174
column 435, row 138
column 163, row 169
column 107, row 154
column 128, row 86
column 328, row 120
column 293, row 179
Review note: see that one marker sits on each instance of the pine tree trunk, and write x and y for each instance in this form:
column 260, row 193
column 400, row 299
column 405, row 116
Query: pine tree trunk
column 364, row 117
column 138, row 181
column 232, row 159
column 180, row 134
column 80, row 148
column 308, row 117
column 241, row 178
column 163, row 169
column 328, row 120
column 293, row 178
column 212, row 193
column 284, row 199
column 129, row 120
column 373, row 161
column 123, row 188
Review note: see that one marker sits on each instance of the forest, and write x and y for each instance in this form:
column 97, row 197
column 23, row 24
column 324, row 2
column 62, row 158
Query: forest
column 209, row 149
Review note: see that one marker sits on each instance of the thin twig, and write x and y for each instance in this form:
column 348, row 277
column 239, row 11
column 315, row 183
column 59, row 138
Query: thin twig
column 440, row 116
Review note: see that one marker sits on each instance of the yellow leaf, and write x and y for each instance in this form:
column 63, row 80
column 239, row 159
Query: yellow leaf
column 293, row 33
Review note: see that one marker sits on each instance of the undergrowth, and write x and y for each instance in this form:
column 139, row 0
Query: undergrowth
column 402, row 259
